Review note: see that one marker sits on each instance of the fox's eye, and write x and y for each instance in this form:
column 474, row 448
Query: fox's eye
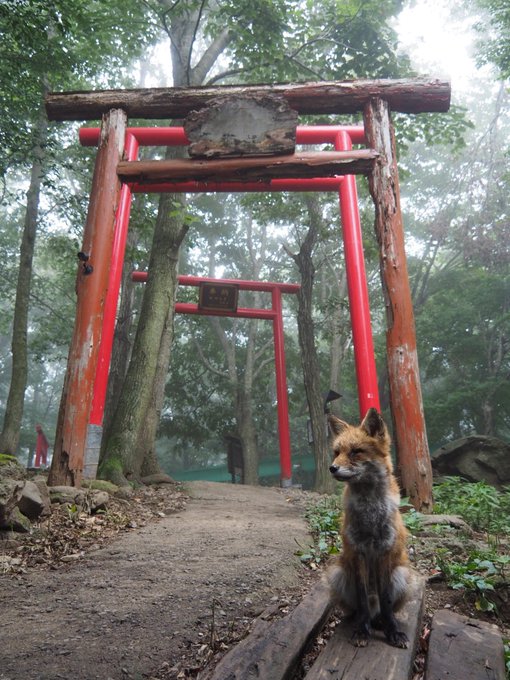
column 354, row 452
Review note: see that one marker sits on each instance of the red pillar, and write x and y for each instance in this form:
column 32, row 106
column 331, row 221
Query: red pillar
column 359, row 306
column 91, row 287
column 112, row 295
column 281, row 391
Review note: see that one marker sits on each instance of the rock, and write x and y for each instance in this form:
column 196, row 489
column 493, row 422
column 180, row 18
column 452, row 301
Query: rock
column 97, row 500
column 11, row 468
column 158, row 478
column 476, row 458
column 16, row 521
column 31, row 503
column 124, row 492
column 10, row 493
column 67, row 494
column 40, row 482
column 100, row 484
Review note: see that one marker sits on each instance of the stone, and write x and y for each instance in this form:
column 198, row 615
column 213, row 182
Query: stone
column 67, row 494
column 475, row 458
column 10, row 493
column 97, row 500
column 157, row 478
column 16, row 521
column 11, row 468
column 31, row 503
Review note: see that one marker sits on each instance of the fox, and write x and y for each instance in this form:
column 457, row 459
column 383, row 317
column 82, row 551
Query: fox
column 370, row 578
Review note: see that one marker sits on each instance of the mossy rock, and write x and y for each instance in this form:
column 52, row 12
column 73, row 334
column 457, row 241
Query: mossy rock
column 11, row 467
column 7, row 458
column 100, row 485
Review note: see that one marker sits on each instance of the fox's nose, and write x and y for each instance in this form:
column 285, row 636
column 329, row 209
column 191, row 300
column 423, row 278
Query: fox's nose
column 333, row 469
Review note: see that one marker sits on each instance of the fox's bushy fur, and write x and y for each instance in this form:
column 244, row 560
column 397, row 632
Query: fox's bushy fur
column 370, row 577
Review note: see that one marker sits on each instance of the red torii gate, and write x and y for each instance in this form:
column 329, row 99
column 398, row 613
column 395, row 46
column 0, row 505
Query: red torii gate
column 275, row 314
column 115, row 178
column 342, row 137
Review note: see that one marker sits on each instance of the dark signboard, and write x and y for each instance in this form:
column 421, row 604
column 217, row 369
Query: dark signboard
column 218, row 297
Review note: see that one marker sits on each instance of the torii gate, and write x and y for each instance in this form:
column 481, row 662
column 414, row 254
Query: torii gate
column 115, row 179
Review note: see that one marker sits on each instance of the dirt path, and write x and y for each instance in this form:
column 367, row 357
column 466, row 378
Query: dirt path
column 145, row 602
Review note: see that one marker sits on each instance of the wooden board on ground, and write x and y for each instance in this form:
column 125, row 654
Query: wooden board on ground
column 272, row 652
column 461, row 648
column 341, row 660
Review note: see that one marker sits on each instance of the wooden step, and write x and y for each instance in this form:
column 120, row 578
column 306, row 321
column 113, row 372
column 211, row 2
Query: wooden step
column 461, row 648
column 341, row 660
column 273, row 650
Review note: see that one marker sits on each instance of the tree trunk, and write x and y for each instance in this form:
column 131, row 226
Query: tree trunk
column 130, row 446
column 9, row 438
column 247, row 433
column 120, row 457
column 324, row 482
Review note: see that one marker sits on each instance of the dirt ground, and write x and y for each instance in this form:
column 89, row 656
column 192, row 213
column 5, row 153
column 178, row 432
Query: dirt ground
column 161, row 599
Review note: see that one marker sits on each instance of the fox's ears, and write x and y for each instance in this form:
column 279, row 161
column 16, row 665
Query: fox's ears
column 373, row 424
column 336, row 425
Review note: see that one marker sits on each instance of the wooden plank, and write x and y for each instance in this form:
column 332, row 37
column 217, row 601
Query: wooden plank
column 412, row 95
column 240, row 126
column 273, row 651
column 414, row 466
column 341, row 660
column 461, row 648
column 299, row 165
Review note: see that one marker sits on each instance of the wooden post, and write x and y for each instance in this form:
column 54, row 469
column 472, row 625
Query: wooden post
column 91, row 287
column 405, row 392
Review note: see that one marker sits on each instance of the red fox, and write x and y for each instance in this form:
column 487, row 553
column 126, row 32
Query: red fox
column 370, row 577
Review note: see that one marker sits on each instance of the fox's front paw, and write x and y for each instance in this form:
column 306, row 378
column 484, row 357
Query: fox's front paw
column 360, row 637
column 398, row 639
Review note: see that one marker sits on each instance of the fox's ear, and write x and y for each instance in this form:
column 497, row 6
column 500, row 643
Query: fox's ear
column 373, row 424
column 336, row 425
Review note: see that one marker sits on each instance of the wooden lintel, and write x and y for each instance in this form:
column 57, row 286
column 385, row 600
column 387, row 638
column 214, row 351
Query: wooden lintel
column 412, row 95
column 293, row 166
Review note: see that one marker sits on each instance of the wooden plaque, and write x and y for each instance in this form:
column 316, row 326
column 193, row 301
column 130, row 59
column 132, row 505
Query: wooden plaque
column 218, row 297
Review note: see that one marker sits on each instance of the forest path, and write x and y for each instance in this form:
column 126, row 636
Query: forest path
column 145, row 602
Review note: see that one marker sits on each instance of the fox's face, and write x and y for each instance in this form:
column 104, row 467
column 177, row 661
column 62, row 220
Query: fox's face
column 361, row 452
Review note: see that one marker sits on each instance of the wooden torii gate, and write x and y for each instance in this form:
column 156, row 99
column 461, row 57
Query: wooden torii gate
column 375, row 99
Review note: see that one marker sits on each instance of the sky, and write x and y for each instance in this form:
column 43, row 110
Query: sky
column 440, row 43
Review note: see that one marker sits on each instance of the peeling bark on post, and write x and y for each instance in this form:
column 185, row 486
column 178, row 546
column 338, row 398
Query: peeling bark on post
column 404, row 381
column 91, row 286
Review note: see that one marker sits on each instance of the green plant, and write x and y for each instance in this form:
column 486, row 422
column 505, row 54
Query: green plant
column 324, row 520
column 413, row 520
column 481, row 505
column 479, row 574
column 506, row 647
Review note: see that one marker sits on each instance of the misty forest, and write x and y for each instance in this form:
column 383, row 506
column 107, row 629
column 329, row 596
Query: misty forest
column 215, row 377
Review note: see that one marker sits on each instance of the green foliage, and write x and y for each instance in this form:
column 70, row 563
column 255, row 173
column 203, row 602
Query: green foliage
column 413, row 520
column 324, row 520
column 506, row 647
column 494, row 44
column 478, row 575
column 481, row 505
